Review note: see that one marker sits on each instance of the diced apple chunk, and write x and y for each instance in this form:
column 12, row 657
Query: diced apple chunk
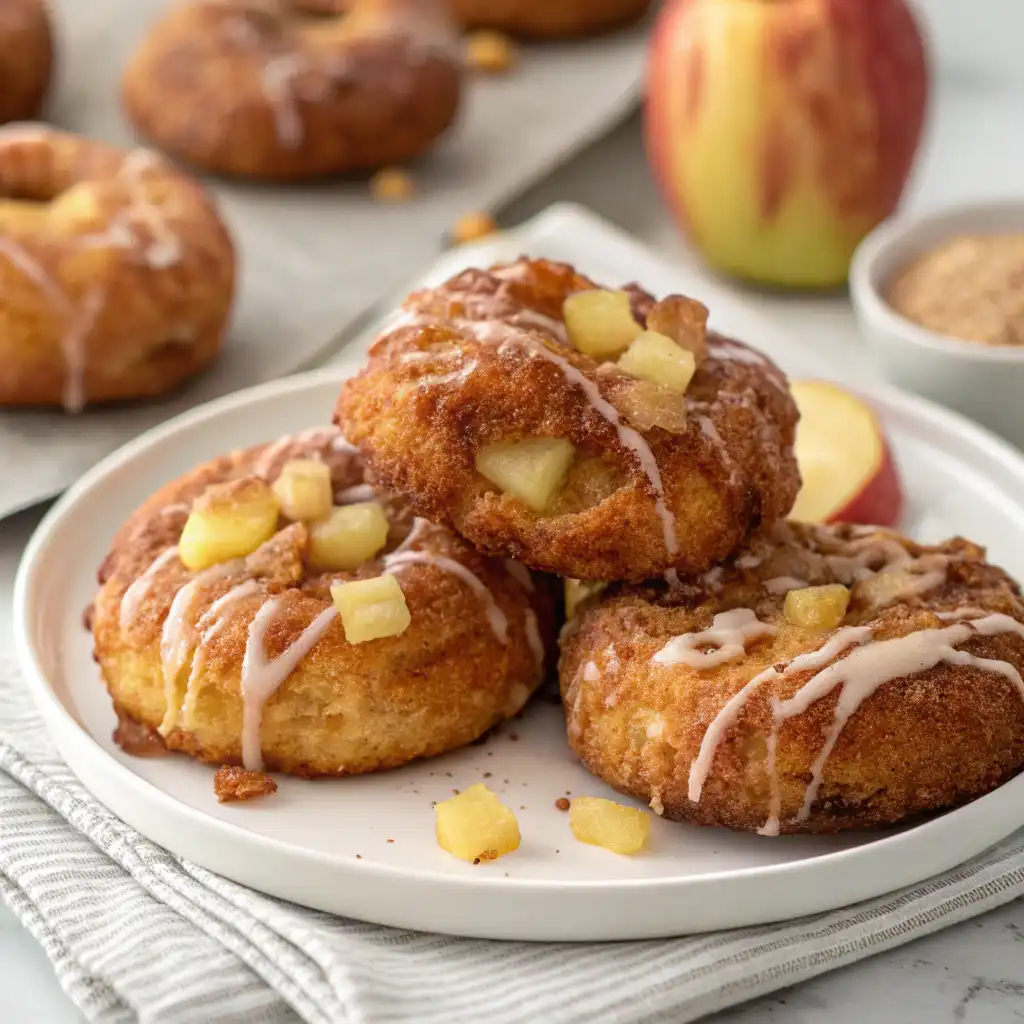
column 886, row 587
column 817, row 607
column 658, row 359
column 228, row 521
column 600, row 323
column 349, row 536
column 476, row 825
column 578, row 591
column 371, row 609
column 532, row 470
column 609, row 825
column 304, row 490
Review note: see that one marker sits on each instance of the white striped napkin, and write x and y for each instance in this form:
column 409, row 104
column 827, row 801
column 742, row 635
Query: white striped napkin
column 137, row 935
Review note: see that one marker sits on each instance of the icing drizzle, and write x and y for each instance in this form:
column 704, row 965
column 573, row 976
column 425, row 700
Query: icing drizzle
column 869, row 665
column 262, row 677
column 728, row 635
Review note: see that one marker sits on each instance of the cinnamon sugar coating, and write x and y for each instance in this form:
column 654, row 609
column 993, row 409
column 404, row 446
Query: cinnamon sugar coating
column 640, row 704
column 549, row 19
column 345, row 709
column 116, row 273
column 26, row 58
column 484, row 358
column 283, row 90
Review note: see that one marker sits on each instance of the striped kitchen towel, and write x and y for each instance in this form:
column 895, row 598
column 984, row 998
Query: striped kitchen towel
column 137, row 935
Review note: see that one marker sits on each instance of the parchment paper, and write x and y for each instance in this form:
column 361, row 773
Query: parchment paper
column 314, row 258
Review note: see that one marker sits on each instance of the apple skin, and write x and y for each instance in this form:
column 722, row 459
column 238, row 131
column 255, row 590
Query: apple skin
column 842, row 427
column 783, row 131
column 881, row 502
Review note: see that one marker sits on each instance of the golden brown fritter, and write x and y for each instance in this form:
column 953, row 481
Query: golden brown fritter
column 26, row 58
column 549, row 19
column 484, row 358
column 116, row 273
column 282, row 90
column 662, row 707
column 472, row 655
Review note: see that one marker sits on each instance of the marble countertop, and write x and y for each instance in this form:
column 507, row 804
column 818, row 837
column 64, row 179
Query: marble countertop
column 970, row 974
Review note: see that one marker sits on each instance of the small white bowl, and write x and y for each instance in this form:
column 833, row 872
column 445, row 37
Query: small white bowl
column 982, row 381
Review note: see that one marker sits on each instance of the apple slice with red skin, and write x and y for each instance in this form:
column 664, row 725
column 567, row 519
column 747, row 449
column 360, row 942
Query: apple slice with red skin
column 848, row 470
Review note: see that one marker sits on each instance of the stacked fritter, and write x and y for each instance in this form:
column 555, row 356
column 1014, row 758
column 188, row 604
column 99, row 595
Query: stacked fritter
column 729, row 667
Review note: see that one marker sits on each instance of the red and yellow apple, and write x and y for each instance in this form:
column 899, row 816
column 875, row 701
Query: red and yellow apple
column 844, row 458
column 783, row 131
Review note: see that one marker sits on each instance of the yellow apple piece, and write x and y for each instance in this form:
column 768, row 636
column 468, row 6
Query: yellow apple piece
column 304, row 490
column 349, row 536
column 610, row 825
column 371, row 609
column 228, row 521
column 578, row 591
column 886, row 587
column 600, row 323
column 849, row 475
column 532, row 469
column 818, row 608
column 658, row 359
column 476, row 826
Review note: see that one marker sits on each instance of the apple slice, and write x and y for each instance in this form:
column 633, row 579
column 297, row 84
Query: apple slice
column 848, row 471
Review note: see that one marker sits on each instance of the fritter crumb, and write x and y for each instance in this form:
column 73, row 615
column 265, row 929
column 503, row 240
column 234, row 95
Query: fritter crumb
column 236, row 784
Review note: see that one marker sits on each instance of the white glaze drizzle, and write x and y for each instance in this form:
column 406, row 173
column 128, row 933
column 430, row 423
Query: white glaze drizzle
column 863, row 671
column 961, row 613
column 527, row 317
column 278, row 82
column 140, row 587
column 520, row 574
column 178, row 636
column 77, row 325
column 262, row 677
column 710, row 431
column 210, row 624
column 725, row 718
column 314, row 435
column 728, row 634
column 496, row 618
column 351, row 495
column 784, row 584
column 591, row 673
column 532, row 629
column 72, row 346
column 869, row 666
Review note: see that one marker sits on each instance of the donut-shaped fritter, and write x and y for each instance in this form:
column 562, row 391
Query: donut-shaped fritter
column 757, row 698
column 281, row 89
column 116, row 273
column 549, row 19
column 658, row 480
column 247, row 661
column 26, row 58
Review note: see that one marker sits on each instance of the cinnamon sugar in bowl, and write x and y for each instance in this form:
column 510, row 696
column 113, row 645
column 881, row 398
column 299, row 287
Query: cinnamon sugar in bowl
column 940, row 298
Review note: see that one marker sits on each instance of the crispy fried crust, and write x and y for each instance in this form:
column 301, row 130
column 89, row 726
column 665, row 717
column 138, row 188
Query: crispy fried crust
column 549, row 19
column 259, row 89
column 346, row 708
column 116, row 273
column 920, row 743
column 26, row 58
column 464, row 368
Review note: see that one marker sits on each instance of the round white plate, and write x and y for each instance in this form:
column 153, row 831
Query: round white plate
column 365, row 847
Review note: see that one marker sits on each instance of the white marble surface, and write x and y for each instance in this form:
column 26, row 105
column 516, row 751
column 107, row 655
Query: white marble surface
column 971, row 974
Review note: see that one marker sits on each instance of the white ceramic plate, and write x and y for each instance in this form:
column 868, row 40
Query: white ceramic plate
column 303, row 843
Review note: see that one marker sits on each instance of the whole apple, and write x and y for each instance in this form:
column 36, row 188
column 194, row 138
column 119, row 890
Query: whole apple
column 783, row 131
